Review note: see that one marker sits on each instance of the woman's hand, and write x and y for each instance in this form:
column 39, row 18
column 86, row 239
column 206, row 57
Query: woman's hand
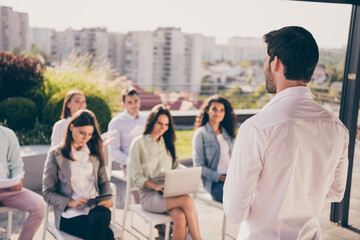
column 222, row 178
column 107, row 141
column 16, row 187
column 151, row 185
column 77, row 203
column 106, row 203
column 159, row 187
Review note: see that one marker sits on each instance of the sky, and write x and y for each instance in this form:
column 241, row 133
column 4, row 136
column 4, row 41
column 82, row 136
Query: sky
column 223, row 19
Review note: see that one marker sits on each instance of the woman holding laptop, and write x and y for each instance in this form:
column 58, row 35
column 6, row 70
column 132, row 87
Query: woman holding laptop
column 150, row 156
column 75, row 172
column 213, row 142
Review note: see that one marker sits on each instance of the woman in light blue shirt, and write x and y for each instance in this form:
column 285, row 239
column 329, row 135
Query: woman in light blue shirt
column 150, row 156
column 213, row 142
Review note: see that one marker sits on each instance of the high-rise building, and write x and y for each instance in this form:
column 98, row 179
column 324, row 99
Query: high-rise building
column 239, row 49
column 13, row 29
column 116, row 51
column 209, row 46
column 41, row 38
column 139, row 58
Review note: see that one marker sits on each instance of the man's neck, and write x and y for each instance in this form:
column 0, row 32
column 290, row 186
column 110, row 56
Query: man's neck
column 285, row 83
column 135, row 115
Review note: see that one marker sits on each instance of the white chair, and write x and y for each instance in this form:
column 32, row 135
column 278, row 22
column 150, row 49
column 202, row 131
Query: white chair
column 60, row 235
column 204, row 196
column 9, row 224
column 151, row 218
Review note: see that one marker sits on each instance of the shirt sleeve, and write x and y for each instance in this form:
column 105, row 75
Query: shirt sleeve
column 14, row 157
column 243, row 173
column 50, row 183
column 135, row 166
column 114, row 147
column 199, row 158
column 338, row 186
column 56, row 136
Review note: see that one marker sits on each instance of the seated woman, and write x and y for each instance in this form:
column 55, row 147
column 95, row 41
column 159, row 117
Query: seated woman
column 75, row 172
column 150, row 155
column 213, row 142
column 74, row 100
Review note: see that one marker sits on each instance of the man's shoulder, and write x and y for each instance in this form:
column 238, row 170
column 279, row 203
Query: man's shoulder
column 120, row 117
column 7, row 132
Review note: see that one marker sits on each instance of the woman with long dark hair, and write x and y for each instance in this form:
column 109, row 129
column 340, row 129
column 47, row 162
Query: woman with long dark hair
column 150, row 156
column 213, row 142
column 75, row 172
column 74, row 100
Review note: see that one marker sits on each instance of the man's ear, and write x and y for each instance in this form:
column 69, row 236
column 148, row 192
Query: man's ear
column 276, row 64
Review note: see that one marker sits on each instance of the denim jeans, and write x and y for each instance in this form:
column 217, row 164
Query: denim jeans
column 217, row 191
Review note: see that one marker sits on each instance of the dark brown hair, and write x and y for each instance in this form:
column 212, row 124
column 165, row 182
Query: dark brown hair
column 129, row 92
column 169, row 135
column 79, row 119
column 297, row 50
column 65, row 110
column 229, row 121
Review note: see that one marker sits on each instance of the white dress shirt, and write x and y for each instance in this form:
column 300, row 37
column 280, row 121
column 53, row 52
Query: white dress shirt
column 59, row 130
column 82, row 181
column 126, row 128
column 287, row 161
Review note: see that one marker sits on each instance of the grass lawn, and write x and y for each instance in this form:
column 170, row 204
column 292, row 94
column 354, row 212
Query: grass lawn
column 183, row 143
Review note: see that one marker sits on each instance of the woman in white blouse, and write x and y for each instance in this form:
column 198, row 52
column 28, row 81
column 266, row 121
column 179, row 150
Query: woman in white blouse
column 150, row 156
column 75, row 172
column 74, row 100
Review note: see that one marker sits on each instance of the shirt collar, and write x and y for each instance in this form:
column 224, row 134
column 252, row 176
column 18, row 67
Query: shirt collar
column 209, row 129
column 293, row 92
column 126, row 114
column 151, row 139
column 84, row 149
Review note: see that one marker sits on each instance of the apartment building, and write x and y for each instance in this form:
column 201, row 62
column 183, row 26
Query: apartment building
column 209, row 45
column 14, row 28
column 41, row 38
column 139, row 58
column 239, row 49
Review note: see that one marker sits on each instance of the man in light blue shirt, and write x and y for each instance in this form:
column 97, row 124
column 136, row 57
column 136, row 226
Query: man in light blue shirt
column 125, row 127
column 15, row 196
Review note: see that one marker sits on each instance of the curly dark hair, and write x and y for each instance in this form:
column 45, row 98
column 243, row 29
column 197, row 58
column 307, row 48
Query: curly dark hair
column 169, row 135
column 229, row 121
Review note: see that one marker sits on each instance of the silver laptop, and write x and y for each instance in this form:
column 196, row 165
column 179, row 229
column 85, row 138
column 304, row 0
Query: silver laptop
column 182, row 181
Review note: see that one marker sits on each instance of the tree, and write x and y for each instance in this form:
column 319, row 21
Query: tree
column 19, row 76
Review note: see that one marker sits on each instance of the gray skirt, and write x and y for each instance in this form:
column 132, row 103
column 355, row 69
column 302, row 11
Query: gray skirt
column 152, row 200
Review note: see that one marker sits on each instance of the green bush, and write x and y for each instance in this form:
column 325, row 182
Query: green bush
column 53, row 108
column 18, row 113
column 101, row 110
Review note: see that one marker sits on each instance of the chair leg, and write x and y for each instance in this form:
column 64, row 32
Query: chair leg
column 45, row 221
column 151, row 233
column 126, row 208
column 224, row 228
column 167, row 231
column 9, row 226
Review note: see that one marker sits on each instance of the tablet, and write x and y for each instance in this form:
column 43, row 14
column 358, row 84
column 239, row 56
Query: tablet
column 99, row 199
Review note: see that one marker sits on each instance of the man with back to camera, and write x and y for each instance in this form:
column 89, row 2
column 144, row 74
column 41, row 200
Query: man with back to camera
column 292, row 156
column 16, row 196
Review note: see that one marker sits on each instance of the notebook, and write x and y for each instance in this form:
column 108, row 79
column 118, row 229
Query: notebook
column 182, row 181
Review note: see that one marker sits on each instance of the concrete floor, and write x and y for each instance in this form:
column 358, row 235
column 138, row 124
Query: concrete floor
column 210, row 218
